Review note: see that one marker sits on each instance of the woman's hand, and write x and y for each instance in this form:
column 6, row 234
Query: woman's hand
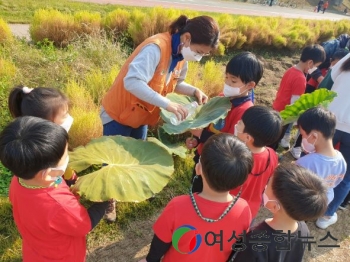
column 179, row 110
column 191, row 142
column 201, row 97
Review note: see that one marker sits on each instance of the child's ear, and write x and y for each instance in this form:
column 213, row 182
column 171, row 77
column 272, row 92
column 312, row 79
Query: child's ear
column 251, row 84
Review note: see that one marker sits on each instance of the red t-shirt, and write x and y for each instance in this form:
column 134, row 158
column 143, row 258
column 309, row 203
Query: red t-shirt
column 293, row 83
column 180, row 211
column 313, row 82
column 254, row 186
column 52, row 223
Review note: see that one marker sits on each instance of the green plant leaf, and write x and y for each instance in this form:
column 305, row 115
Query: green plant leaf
column 163, row 141
column 321, row 97
column 216, row 109
column 133, row 170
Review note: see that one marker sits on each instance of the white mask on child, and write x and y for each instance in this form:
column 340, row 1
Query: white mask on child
column 67, row 123
column 266, row 200
column 308, row 147
column 190, row 55
column 62, row 167
column 311, row 70
column 230, row 91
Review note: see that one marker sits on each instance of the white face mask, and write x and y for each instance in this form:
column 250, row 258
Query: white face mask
column 67, row 123
column 62, row 167
column 266, row 200
column 190, row 55
column 308, row 147
column 235, row 133
column 232, row 91
column 311, row 70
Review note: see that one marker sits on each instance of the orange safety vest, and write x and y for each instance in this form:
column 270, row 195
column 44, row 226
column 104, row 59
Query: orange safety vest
column 126, row 108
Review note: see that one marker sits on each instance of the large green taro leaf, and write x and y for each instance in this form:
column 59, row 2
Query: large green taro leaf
column 216, row 109
column 172, row 148
column 321, row 97
column 133, row 170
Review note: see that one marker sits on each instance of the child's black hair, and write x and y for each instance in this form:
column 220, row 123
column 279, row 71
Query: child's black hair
column 339, row 54
column 319, row 119
column 246, row 66
column 263, row 124
column 315, row 53
column 226, row 162
column 302, row 194
column 43, row 102
column 30, row 144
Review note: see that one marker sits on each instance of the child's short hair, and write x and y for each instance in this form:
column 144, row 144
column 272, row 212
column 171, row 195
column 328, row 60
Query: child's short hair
column 43, row 102
column 315, row 53
column 263, row 124
column 302, row 194
column 319, row 119
column 30, row 144
column 339, row 54
column 246, row 66
column 226, row 162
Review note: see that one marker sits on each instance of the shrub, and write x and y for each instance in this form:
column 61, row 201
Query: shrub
column 87, row 23
column 5, row 32
column 116, row 23
column 87, row 123
column 52, row 25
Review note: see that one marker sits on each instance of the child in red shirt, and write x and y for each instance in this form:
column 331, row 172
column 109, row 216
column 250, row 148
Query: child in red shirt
column 50, row 219
column 200, row 227
column 293, row 82
column 259, row 127
column 243, row 73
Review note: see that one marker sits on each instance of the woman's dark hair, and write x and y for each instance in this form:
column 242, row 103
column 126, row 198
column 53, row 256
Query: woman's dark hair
column 346, row 65
column 302, row 194
column 226, row 162
column 31, row 144
column 204, row 30
column 263, row 124
column 246, row 66
column 43, row 102
column 319, row 119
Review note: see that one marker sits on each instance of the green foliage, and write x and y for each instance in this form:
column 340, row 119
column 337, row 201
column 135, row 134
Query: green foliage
column 87, row 23
column 321, row 97
column 216, row 109
column 5, row 33
column 5, row 179
column 133, row 171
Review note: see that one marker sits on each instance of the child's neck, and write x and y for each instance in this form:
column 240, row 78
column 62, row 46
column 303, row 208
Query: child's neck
column 211, row 195
column 281, row 221
column 36, row 181
column 325, row 148
column 301, row 66
column 255, row 150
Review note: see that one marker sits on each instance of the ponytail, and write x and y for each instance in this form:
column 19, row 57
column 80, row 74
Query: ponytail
column 43, row 102
column 178, row 24
column 15, row 101
column 204, row 30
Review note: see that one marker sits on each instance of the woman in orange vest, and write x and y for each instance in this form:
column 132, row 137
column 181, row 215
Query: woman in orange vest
column 158, row 66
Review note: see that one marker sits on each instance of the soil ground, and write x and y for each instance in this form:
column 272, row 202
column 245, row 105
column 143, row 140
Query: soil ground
column 133, row 243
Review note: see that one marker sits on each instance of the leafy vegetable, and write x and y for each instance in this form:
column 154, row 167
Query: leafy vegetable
column 321, row 97
column 216, row 109
column 133, row 170
column 176, row 149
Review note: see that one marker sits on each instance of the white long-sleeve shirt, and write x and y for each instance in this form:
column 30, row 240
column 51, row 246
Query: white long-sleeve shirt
column 141, row 71
column 340, row 106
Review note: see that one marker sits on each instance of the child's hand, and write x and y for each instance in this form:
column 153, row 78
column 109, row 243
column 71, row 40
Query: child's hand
column 143, row 260
column 201, row 97
column 191, row 142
